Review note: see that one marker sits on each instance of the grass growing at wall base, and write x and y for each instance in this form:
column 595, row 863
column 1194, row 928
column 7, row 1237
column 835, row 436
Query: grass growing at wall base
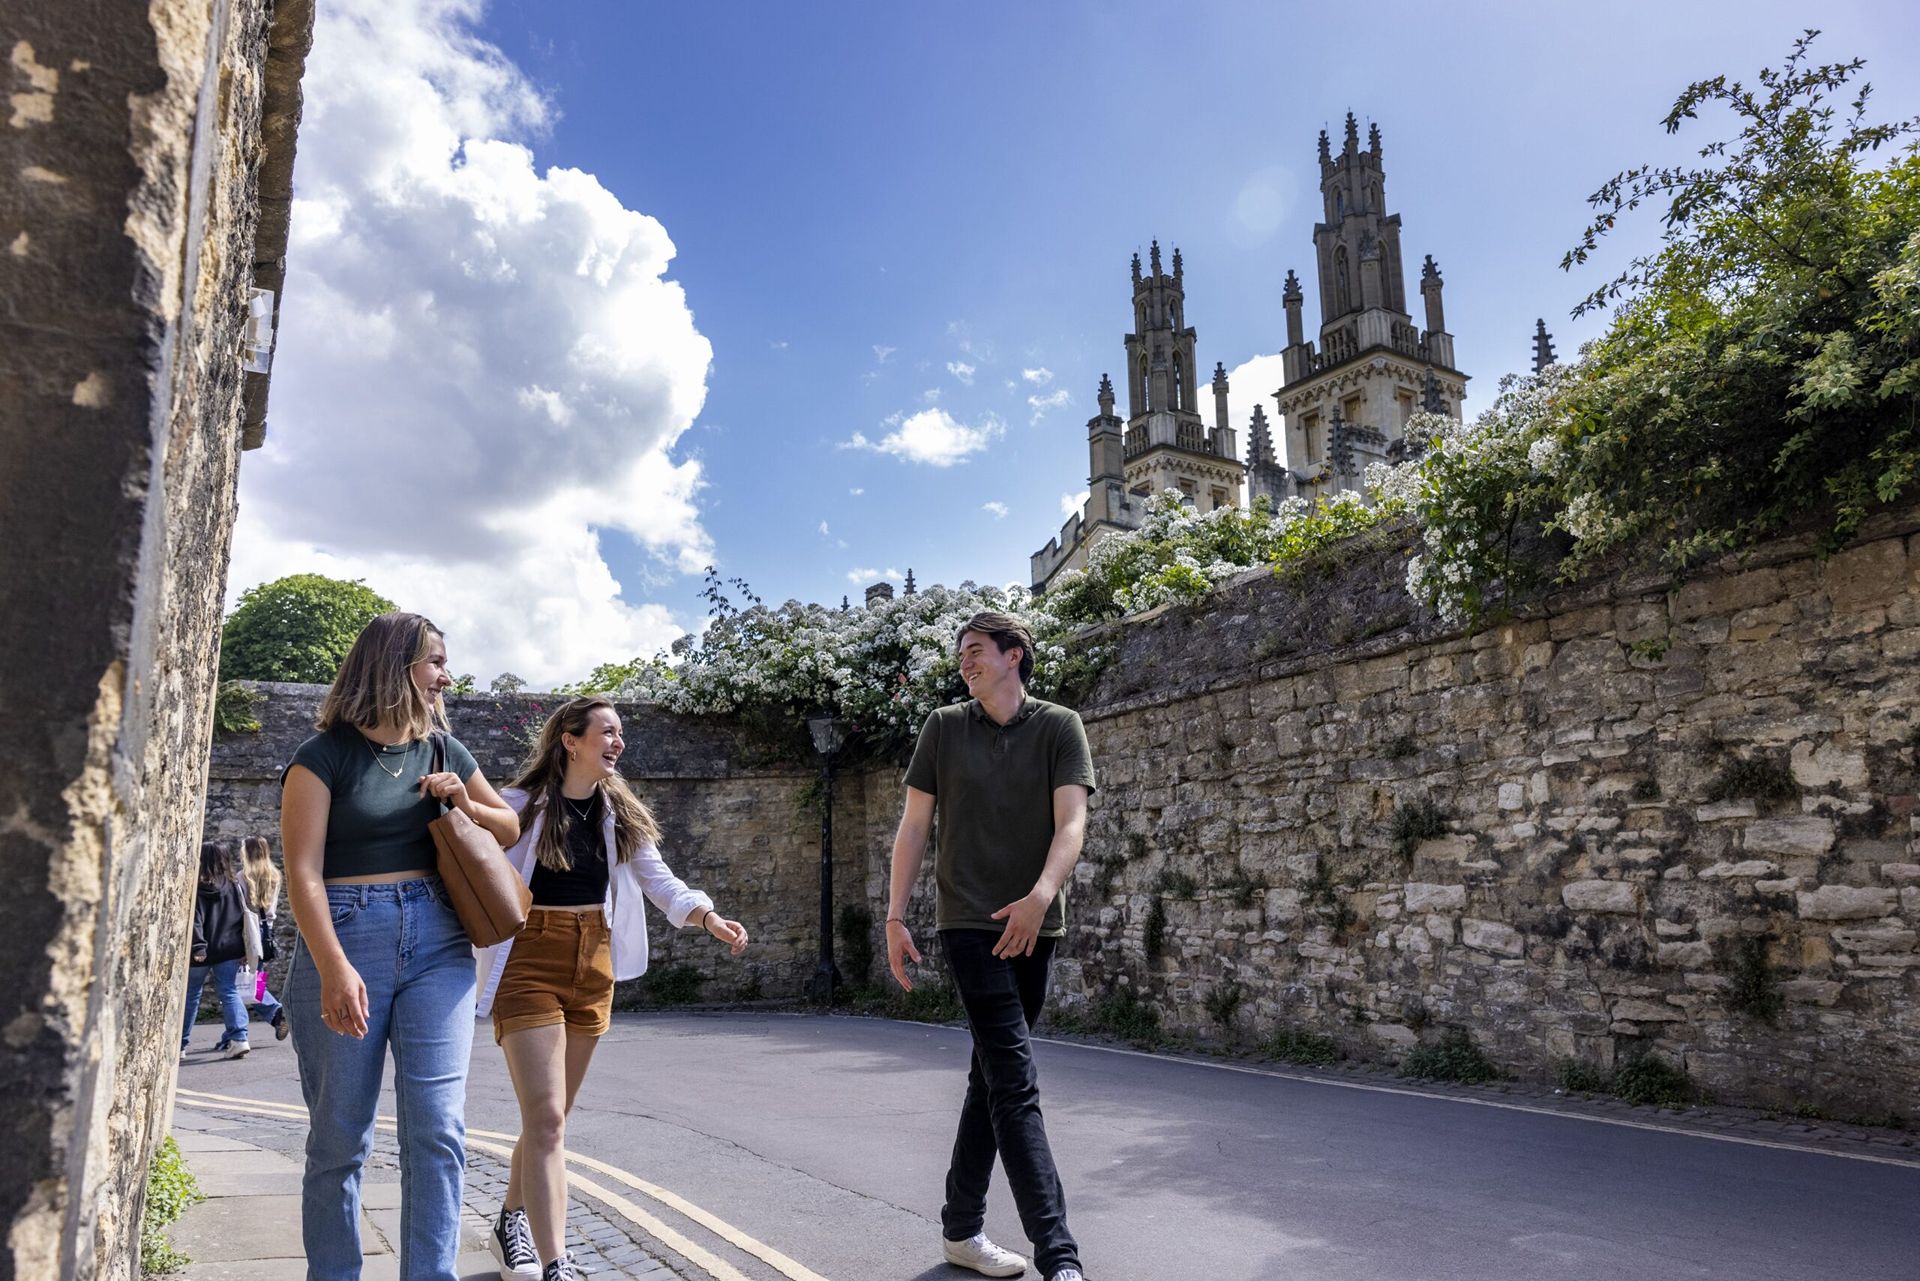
column 1121, row 1012
column 1647, row 1080
column 171, row 1188
column 1455, row 1058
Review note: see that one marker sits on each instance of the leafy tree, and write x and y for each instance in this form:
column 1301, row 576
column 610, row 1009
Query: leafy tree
column 297, row 628
column 1763, row 368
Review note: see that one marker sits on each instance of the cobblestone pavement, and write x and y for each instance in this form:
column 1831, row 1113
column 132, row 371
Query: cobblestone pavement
column 605, row 1244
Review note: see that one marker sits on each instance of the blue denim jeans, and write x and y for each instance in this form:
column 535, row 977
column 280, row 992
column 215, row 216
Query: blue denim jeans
column 413, row 956
column 226, row 983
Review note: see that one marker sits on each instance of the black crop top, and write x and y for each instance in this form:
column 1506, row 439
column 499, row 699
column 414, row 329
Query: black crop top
column 585, row 883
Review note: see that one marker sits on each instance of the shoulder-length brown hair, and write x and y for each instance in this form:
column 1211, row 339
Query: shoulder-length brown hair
column 373, row 686
column 540, row 778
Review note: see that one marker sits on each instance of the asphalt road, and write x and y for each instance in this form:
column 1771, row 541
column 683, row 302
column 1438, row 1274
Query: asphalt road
column 826, row 1139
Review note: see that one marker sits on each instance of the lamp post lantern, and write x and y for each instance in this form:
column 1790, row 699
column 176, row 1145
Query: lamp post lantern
column 829, row 734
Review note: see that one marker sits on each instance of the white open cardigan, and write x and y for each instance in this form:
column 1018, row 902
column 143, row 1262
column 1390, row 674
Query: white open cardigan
column 646, row 873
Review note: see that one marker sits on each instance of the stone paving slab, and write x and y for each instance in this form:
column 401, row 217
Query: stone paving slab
column 249, row 1167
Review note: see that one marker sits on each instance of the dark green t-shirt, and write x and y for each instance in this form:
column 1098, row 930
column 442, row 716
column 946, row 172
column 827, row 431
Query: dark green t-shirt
column 377, row 822
column 992, row 789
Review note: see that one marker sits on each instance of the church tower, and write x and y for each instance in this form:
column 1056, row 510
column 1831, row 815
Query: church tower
column 1168, row 444
column 1348, row 396
column 1164, row 443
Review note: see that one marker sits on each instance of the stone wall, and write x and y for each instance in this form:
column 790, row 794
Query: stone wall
column 1629, row 820
column 129, row 222
column 735, row 822
column 1632, row 819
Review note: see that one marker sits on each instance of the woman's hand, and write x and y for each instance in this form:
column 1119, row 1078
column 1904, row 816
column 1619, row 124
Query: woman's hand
column 343, row 1001
column 732, row 933
column 447, row 788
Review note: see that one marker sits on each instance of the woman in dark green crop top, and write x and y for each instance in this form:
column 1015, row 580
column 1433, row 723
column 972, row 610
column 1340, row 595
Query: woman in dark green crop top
column 381, row 961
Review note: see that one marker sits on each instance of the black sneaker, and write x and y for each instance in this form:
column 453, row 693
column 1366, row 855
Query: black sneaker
column 564, row 1269
column 512, row 1247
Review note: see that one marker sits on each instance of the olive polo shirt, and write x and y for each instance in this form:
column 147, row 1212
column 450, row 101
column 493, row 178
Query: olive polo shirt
column 992, row 788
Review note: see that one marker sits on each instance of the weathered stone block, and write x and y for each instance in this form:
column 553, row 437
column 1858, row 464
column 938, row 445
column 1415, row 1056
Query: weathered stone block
column 1726, row 871
column 1492, row 936
column 1847, row 903
column 1637, row 1011
column 1828, row 765
column 1806, row 836
column 1880, row 940
column 1426, row 897
column 1602, row 896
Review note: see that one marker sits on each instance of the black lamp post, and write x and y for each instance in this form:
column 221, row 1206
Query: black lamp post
column 829, row 734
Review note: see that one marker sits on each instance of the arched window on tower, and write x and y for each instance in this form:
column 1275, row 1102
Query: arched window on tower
column 1179, row 383
column 1146, row 386
column 1342, row 283
column 1339, row 203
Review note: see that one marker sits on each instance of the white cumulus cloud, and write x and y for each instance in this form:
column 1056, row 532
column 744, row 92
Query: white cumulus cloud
column 882, row 354
column 1055, row 399
column 962, row 370
column 1038, row 377
column 931, row 436
column 482, row 366
column 1072, row 504
column 1250, row 383
column 999, row 510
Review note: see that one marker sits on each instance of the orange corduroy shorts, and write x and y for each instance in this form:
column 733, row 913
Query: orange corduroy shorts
column 559, row 971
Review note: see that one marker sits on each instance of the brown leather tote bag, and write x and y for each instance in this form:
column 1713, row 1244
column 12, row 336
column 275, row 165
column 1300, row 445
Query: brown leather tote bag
column 488, row 895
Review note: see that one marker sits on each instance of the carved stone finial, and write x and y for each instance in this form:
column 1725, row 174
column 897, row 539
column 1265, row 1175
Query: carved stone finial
column 1326, row 152
column 1430, row 395
column 1176, row 262
column 1219, row 375
column 1353, row 135
column 1430, row 273
column 1105, row 396
column 1291, row 295
column 1153, row 256
column 910, row 586
column 1373, row 139
column 1136, row 269
column 1543, row 353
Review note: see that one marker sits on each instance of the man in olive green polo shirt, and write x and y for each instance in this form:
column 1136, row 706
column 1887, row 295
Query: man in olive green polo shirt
column 1008, row 777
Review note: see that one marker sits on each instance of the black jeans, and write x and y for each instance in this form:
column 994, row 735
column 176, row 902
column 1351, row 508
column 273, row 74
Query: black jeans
column 1002, row 1112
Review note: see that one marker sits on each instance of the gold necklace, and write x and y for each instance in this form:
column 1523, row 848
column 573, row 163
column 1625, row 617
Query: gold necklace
column 390, row 773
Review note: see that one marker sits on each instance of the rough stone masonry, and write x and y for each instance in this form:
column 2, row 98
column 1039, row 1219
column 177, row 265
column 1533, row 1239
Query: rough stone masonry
column 1631, row 820
column 130, row 239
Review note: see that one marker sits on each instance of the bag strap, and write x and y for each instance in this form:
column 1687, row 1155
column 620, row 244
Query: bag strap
column 439, row 762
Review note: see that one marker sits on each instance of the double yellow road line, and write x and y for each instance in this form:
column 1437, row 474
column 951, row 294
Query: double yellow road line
column 501, row 1145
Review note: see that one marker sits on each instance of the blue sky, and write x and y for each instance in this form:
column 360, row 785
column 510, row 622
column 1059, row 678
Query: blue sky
column 883, row 209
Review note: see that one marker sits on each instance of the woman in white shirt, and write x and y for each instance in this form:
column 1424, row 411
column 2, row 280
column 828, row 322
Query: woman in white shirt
column 589, row 853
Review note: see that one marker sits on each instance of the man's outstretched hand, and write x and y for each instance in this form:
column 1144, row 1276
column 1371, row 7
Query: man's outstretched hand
column 900, row 949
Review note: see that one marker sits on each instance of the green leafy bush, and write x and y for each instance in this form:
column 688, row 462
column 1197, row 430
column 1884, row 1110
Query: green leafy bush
column 1413, row 823
column 1454, row 1058
column 673, row 985
column 1297, row 1045
column 171, row 1188
column 233, row 705
column 1752, row 778
column 1653, row 1082
column 1223, row 1003
column 297, row 628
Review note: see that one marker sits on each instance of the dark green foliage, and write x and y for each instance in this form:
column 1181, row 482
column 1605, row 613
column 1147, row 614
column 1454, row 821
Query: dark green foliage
column 297, row 628
column 1155, row 931
column 171, row 1188
column 1244, row 888
column 1754, row 989
column 1653, row 1082
column 1223, row 1003
column 1752, row 777
column 1577, row 1077
column 1176, row 885
column 855, row 928
column 1454, row 1058
column 672, row 985
column 1297, row 1045
column 1763, row 368
column 1412, row 824
column 1122, row 1012
column 233, row 705
column 1646, row 789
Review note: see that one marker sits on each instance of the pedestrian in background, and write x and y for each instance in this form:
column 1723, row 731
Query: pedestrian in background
column 381, row 961
column 263, row 887
column 220, row 945
column 590, row 856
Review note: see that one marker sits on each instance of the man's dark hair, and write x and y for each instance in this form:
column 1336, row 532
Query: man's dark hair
column 1006, row 631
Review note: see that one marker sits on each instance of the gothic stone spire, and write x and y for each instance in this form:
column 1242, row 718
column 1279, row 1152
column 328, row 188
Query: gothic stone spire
column 1543, row 353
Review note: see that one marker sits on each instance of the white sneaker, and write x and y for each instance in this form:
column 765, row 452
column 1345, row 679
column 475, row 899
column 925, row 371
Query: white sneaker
column 1067, row 1274
column 237, row 1050
column 983, row 1256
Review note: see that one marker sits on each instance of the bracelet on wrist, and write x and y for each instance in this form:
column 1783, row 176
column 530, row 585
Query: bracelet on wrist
column 892, row 919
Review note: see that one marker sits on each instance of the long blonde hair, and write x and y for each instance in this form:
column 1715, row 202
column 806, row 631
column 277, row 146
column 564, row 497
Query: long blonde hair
column 373, row 687
column 263, row 878
column 540, row 778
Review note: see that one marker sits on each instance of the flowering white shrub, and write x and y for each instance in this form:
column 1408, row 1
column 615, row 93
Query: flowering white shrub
column 883, row 667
